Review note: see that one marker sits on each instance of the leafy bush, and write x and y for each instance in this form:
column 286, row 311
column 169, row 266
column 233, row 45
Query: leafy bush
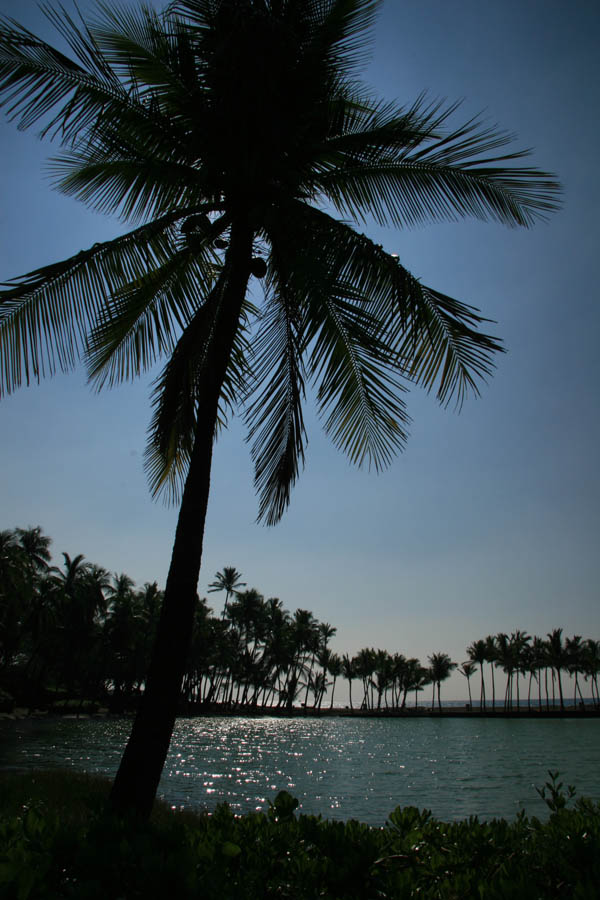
column 281, row 855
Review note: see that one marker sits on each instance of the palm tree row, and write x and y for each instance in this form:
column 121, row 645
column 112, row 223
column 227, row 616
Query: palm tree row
column 535, row 659
column 79, row 632
column 74, row 631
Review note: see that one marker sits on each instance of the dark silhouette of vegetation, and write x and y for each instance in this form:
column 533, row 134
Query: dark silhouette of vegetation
column 79, row 637
column 440, row 668
column 82, row 853
column 221, row 131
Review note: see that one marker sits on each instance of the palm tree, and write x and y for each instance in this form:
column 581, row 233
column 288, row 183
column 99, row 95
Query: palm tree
column 591, row 663
column 383, row 672
column 349, row 672
column 418, row 678
column 478, row 652
column 520, row 646
column 400, row 671
column 491, row 655
column 537, row 662
column 468, row 669
column 558, row 658
column 574, row 649
column 335, row 667
column 229, row 580
column 364, row 667
column 440, row 668
column 220, row 131
column 36, row 547
column 15, row 595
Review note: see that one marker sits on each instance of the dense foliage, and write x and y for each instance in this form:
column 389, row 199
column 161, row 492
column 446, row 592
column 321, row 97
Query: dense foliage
column 77, row 633
column 84, row 854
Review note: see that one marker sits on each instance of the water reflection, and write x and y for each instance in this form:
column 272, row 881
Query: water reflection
column 339, row 768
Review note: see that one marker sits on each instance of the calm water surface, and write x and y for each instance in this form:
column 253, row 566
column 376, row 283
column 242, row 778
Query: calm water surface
column 340, row 768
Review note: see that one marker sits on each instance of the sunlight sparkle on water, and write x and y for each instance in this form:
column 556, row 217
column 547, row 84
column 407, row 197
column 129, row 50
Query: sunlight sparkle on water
column 341, row 768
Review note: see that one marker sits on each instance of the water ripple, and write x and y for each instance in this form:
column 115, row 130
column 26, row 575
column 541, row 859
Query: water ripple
column 339, row 768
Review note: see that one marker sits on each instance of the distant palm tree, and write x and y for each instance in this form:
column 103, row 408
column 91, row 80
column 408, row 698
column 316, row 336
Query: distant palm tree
column 440, row 668
column 520, row 647
column 537, row 662
column 574, row 649
column 335, row 667
column 505, row 658
column 491, row 655
column 383, row 674
column 558, row 658
column 467, row 669
column 35, row 546
column 591, row 662
column 478, row 652
column 229, row 580
column 74, row 569
column 349, row 673
column 419, row 679
column 400, row 669
column 364, row 666
column 15, row 596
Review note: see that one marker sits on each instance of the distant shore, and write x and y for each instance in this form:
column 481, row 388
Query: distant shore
column 587, row 711
column 421, row 712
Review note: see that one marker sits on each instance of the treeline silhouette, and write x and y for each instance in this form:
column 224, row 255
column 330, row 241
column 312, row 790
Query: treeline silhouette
column 78, row 634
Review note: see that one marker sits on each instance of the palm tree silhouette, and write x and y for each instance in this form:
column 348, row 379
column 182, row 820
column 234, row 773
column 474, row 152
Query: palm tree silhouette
column 468, row 669
column 478, row 652
column 220, row 132
column 440, row 668
column 229, row 580
column 558, row 658
column 349, row 673
column 591, row 663
column 574, row 648
column 491, row 655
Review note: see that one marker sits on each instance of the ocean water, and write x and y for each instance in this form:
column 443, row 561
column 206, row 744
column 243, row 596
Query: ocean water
column 339, row 768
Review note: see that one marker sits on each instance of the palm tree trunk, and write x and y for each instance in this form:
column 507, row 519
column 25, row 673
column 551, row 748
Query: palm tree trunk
column 333, row 691
column 137, row 779
column 482, row 693
column 560, row 688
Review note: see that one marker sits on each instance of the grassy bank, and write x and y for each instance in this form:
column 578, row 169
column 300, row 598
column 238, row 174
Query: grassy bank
column 57, row 842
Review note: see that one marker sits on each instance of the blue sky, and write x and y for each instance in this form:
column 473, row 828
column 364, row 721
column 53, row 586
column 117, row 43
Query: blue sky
column 490, row 520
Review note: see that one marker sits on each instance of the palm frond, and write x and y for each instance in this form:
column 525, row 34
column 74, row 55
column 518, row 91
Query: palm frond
column 274, row 417
column 432, row 339
column 178, row 389
column 339, row 33
column 358, row 392
column 45, row 315
column 35, row 79
column 138, row 325
column 441, row 346
column 174, row 399
column 153, row 52
column 402, row 167
column 347, row 357
column 134, row 184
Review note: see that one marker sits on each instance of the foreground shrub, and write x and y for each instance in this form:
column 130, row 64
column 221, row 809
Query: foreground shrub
column 44, row 854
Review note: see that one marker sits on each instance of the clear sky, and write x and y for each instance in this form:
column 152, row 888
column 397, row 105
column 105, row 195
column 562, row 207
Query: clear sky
column 489, row 521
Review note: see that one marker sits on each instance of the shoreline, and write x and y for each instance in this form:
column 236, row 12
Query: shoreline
column 421, row 712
